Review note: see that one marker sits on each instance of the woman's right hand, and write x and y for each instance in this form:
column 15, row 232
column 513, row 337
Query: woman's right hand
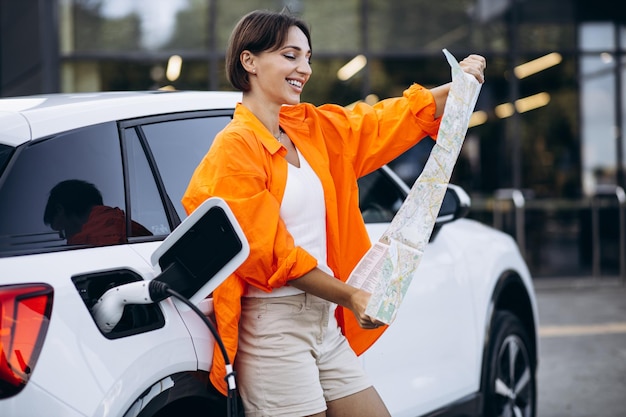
column 329, row 288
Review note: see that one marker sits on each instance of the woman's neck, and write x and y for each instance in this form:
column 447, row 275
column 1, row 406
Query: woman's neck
column 268, row 114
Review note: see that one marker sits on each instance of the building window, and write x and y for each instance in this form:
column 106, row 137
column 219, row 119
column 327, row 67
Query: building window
column 599, row 127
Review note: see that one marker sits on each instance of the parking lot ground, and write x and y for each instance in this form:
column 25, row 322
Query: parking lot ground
column 582, row 369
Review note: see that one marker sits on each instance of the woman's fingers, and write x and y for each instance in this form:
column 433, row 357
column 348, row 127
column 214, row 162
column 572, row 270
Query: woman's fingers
column 368, row 322
column 360, row 300
column 475, row 65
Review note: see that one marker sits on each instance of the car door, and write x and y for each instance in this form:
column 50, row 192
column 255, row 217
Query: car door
column 167, row 149
column 427, row 357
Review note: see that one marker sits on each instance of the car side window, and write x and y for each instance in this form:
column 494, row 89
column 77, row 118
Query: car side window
column 49, row 184
column 178, row 146
column 410, row 164
column 379, row 197
column 146, row 205
column 5, row 153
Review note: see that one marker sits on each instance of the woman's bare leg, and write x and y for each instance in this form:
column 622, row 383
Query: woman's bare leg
column 366, row 403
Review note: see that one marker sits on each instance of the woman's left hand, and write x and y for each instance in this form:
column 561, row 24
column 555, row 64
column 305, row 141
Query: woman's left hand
column 475, row 65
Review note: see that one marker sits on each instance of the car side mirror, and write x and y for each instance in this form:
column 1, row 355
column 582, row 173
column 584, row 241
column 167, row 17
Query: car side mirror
column 456, row 205
column 202, row 251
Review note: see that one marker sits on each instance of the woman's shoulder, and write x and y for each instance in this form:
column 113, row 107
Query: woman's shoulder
column 243, row 136
column 294, row 110
column 236, row 129
column 308, row 110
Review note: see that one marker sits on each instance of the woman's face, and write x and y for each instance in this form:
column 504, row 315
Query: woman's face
column 279, row 76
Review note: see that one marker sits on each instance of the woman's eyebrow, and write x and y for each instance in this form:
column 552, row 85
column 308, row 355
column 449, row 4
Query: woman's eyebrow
column 297, row 48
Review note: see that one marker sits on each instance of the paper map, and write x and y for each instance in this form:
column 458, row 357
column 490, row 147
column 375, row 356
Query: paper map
column 388, row 267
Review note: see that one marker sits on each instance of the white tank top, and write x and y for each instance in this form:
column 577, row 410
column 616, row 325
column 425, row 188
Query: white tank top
column 304, row 212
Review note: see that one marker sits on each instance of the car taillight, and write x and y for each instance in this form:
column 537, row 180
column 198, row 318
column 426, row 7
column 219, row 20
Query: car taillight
column 24, row 315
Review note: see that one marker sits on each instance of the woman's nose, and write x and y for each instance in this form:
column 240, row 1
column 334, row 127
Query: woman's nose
column 305, row 67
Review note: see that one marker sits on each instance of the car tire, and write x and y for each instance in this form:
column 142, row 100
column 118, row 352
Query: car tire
column 509, row 388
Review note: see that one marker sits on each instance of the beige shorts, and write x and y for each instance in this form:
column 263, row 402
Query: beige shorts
column 292, row 357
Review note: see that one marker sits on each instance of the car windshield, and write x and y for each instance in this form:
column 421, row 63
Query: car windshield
column 5, row 153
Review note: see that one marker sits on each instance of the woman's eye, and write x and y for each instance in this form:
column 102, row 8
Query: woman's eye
column 289, row 56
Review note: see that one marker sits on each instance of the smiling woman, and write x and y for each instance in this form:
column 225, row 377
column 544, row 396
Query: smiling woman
column 304, row 187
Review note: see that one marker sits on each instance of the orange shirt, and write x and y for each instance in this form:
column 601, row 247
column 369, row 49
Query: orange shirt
column 246, row 167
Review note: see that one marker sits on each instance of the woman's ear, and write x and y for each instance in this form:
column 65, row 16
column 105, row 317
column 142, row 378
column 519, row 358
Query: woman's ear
column 248, row 62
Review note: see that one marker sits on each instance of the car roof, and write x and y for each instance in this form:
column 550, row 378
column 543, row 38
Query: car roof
column 32, row 117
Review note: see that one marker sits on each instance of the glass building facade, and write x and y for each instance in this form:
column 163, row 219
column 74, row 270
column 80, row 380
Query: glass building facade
column 547, row 127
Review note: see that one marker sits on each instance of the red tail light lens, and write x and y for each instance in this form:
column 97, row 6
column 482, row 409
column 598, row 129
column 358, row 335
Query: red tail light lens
column 24, row 315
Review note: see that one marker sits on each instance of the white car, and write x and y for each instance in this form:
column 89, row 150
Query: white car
column 464, row 341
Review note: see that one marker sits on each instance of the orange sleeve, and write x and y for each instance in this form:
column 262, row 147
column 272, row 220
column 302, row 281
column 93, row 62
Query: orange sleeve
column 374, row 135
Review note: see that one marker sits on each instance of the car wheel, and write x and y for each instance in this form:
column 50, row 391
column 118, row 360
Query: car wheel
column 509, row 388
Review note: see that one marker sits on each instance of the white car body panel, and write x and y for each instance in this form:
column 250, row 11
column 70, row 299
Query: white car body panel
column 40, row 403
column 419, row 372
column 76, row 351
column 417, row 367
column 46, row 116
column 15, row 129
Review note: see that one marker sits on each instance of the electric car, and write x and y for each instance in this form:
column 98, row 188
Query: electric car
column 464, row 341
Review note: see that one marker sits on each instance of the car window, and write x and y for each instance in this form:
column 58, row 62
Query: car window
column 379, row 197
column 146, row 204
column 178, row 146
column 5, row 154
column 411, row 163
column 78, row 165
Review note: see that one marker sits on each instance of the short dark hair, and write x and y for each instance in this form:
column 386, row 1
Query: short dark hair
column 258, row 31
column 75, row 196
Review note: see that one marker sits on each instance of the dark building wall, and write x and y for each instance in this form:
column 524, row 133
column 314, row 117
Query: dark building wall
column 600, row 10
column 29, row 54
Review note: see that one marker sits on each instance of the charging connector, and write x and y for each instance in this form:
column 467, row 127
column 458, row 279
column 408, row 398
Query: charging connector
column 108, row 310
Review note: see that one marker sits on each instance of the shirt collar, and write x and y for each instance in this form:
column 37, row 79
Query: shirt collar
column 268, row 140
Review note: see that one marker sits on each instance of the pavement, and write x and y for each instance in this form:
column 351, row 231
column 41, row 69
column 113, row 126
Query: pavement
column 582, row 350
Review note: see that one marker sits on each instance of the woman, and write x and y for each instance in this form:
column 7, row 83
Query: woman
column 288, row 171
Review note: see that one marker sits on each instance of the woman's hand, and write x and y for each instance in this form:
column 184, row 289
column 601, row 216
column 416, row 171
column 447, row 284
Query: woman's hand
column 329, row 288
column 475, row 65
column 358, row 305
